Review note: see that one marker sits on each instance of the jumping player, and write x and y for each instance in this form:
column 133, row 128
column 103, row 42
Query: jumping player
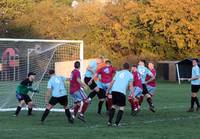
column 57, row 91
column 137, row 86
column 143, row 71
column 95, row 90
column 106, row 74
column 122, row 80
column 195, row 85
column 22, row 93
column 77, row 92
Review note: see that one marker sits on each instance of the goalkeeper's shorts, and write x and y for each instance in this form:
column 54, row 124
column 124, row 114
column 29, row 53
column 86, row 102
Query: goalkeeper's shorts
column 24, row 97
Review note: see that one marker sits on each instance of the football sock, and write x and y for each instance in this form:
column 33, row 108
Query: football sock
column 76, row 108
column 17, row 110
column 111, row 115
column 67, row 113
column 119, row 117
column 149, row 100
column 45, row 114
column 192, row 102
column 92, row 94
column 85, row 106
column 141, row 100
column 100, row 106
column 132, row 104
column 108, row 104
column 29, row 111
column 197, row 101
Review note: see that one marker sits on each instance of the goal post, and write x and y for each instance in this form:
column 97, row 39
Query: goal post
column 35, row 55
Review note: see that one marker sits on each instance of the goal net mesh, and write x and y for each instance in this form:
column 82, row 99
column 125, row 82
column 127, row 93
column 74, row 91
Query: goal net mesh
column 18, row 57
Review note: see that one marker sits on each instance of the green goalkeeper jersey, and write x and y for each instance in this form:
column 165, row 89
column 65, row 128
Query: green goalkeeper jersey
column 24, row 87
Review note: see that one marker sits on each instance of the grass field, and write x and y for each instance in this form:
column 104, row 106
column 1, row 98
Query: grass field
column 169, row 122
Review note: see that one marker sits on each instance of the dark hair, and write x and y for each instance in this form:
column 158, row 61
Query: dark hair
column 77, row 64
column 134, row 65
column 31, row 73
column 195, row 59
column 108, row 62
column 144, row 61
column 51, row 72
column 126, row 66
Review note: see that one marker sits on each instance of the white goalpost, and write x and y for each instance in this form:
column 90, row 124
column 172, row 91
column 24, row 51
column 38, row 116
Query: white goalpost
column 35, row 55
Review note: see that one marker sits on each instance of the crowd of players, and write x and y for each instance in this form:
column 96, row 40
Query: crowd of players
column 104, row 81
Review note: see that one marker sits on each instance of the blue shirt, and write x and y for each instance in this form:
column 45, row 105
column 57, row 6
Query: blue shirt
column 143, row 71
column 93, row 65
column 121, row 81
column 195, row 72
column 57, row 86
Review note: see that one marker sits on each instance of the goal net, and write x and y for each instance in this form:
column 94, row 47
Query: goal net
column 21, row 56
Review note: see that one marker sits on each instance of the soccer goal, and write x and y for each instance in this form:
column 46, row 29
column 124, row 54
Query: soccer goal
column 21, row 56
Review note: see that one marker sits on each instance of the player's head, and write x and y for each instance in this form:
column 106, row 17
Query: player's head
column 150, row 65
column 77, row 65
column 126, row 66
column 134, row 68
column 51, row 72
column 194, row 62
column 31, row 76
column 100, row 59
column 142, row 63
column 108, row 63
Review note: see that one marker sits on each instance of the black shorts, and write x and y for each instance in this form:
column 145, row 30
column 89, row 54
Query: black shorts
column 195, row 88
column 118, row 99
column 21, row 97
column 145, row 91
column 62, row 100
column 101, row 94
column 93, row 85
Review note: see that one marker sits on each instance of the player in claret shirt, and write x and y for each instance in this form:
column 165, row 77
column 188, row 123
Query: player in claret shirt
column 22, row 93
column 77, row 92
column 137, row 86
column 151, row 84
column 105, row 75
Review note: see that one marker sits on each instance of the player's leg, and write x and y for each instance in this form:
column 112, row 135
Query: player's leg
column 29, row 102
column 194, row 89
column 92, row 87
column 121, row 102
column 20, row 104
column 113, row 108
column 52, row 102
column 101, row 95
column 64, row 102
column 151, row 92
column 108, row 102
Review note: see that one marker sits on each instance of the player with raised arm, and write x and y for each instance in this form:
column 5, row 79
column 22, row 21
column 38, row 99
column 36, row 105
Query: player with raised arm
column 105, row 75
column 144, row 71
column 195, row 85
column 137, row 86
column 89, row 80
column 57, row 91
column 22, row 91
column 122, row 80
column 77, row 92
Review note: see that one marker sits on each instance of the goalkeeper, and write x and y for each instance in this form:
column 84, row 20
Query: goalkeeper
column 22, row 91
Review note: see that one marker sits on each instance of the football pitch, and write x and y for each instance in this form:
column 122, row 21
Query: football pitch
column 171, row 121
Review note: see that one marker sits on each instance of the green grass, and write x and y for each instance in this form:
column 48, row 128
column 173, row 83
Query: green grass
column 169, row 122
